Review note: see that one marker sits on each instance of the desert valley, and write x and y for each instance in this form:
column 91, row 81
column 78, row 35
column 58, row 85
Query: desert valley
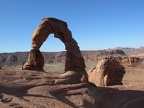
column 111, row 78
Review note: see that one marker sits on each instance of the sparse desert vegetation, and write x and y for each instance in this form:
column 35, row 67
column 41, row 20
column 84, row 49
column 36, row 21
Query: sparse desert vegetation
column 52, row 67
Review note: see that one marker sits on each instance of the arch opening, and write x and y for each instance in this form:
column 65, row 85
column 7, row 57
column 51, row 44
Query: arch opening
column 52, row 44
column 54, row 53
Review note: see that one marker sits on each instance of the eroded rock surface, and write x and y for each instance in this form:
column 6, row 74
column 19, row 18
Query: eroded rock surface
column 33, row 89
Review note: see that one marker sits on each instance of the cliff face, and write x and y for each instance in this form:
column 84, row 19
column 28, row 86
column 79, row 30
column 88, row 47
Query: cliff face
column 132, row 51
column 19, row 58
column 10, row 59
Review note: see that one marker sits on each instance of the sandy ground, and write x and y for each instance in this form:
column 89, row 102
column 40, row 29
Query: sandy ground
column 31, row 89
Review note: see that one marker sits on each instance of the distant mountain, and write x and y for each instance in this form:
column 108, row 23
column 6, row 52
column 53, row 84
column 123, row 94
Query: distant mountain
column 19, row 58
column 10, row 59
column 131, row 51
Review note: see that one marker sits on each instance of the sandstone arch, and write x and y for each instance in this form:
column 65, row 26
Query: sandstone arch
column 74, row 64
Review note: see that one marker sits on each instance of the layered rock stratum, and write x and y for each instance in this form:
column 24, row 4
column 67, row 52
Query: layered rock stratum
column 19, row 58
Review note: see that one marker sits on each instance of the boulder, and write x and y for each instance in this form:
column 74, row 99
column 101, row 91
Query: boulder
column 107, row 72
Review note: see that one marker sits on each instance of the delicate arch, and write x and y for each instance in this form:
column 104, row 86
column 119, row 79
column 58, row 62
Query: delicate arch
column 74, row 59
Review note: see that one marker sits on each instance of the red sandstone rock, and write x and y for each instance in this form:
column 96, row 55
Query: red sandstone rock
column 107, row 72
column 74, row 59
column 35, row 61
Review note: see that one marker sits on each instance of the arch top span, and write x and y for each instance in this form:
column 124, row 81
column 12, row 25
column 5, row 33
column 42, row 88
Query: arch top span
column 74, row 59
column 50, row 26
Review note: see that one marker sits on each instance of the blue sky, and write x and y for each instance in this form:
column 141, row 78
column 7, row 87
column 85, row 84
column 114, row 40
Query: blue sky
column 95, row 24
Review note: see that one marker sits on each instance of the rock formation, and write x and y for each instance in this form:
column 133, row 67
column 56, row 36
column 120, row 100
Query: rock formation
column 107, row 72
column 74, row 60
column 127, row 61
column 130, row 61
column 35, row 61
